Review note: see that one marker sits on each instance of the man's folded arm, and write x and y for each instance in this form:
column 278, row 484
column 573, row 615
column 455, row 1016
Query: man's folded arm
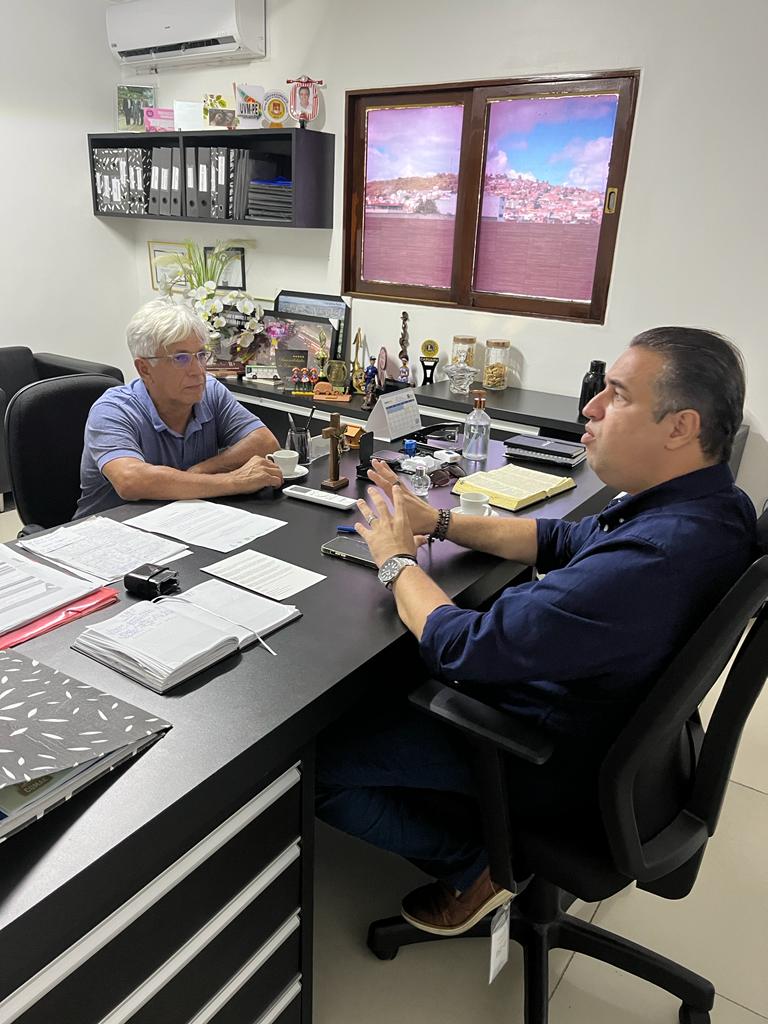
column 259, row 441
column 136, row 480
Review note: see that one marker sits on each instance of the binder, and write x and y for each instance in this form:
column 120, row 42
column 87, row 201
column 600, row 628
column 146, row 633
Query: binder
column 222, row 182
column 176, row 206
column 190, row 181
column 84, row 606
column 164, row 189
column 203, row 182
column 154, row 183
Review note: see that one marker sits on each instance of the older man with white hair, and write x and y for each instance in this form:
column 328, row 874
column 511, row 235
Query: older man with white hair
column 173, row 432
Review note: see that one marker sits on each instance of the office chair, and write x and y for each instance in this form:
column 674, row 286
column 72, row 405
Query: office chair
column 20, row 366
column 44, row 428
column 662, row 754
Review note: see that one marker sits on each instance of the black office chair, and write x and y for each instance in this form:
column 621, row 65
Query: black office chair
column 662, row 752
column 20, row 366
column 44, row 428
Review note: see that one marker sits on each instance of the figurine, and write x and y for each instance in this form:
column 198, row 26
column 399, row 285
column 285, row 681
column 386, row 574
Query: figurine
column 404, row 373
column 403, row 353
column 429, row 360
column 335, row 434
column 371, row 373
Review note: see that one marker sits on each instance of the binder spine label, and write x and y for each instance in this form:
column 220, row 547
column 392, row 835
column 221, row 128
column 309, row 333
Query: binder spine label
column 190, row 177
column 155, row 175
column 164, row 179
column 175, row 179
column 202, row 176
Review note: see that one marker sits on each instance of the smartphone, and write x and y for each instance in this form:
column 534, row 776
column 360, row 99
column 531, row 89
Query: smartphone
column 354, row 549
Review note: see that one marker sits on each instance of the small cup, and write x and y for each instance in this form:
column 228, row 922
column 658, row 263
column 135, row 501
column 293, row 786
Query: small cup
column 474, row 503
column 285, row 460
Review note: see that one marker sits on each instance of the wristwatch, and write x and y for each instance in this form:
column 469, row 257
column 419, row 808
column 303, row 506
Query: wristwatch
column 392, row 568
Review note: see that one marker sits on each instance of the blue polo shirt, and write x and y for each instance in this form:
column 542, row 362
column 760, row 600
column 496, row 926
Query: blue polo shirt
column 125, row 423
column 577, row 649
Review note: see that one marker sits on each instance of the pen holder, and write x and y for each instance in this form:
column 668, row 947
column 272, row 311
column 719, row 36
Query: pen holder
column 298, row 440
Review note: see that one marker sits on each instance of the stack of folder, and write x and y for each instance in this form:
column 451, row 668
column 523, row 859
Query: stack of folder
column 123, row 179
column 165, row 182
column 271, row 200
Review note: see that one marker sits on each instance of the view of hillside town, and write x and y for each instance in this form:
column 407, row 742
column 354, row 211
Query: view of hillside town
column 520, row 198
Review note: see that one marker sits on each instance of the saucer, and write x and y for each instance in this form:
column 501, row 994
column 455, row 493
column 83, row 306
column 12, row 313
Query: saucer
column 458, row 511
column 297, row 474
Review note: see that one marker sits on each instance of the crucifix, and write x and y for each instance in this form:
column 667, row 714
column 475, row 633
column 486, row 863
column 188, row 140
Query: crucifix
column 335, row 434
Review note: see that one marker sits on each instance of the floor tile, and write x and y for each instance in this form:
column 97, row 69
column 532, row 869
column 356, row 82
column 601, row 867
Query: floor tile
column 594, row 993
column 718, row 930
column 434, row 983
column 10, row 524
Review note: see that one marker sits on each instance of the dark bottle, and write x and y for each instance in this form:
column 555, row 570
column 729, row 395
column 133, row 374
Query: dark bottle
column 593, row 384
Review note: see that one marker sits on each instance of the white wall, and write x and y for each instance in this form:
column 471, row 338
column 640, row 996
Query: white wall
column 692, row 238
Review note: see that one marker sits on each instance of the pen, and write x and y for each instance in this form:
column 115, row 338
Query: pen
column 309, row 418
column 345, row 529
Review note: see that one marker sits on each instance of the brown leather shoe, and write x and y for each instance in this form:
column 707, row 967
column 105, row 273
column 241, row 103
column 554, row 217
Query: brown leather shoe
column 435, row 908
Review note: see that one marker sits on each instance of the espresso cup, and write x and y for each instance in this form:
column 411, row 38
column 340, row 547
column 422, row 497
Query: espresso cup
column 285, row 460
column 474, row 503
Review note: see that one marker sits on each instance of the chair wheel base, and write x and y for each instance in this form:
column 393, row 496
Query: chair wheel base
column 690, row 1015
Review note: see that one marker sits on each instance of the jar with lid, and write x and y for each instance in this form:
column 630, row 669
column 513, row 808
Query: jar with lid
column 463, row 350
column 498, row 353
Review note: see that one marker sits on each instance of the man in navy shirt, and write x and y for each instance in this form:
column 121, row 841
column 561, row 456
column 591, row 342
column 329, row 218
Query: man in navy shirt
column 174, row 432
column 575, row 650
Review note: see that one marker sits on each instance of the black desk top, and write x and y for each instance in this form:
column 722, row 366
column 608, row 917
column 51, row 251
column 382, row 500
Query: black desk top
column 242, row 719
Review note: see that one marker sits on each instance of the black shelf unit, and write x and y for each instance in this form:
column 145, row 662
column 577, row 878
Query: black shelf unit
column 306, row 156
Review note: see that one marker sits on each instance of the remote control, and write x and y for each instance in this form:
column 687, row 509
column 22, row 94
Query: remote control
column 337, row 501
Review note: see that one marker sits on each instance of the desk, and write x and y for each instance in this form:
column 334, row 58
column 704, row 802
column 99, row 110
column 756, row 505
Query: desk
column 152, row 860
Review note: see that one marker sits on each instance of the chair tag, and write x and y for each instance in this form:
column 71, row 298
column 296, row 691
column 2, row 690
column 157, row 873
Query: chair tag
column 499, row 940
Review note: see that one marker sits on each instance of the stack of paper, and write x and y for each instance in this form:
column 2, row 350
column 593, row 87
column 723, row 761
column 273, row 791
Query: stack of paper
column 207, row 524
column 270, row 199
column 29, row 590
column 57, row 735
column 102, row 549
column 264, row 574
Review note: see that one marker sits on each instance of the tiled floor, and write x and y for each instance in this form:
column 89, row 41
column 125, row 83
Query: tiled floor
column 720, row 931
column 10, row 524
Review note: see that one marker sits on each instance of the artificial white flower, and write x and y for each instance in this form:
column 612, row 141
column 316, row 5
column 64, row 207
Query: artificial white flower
column 253, row 325
column 210, row 286
column 215, row 305
column 219, row 321
column 201, row 292
column 199, row 306
column 231, row 298
column 245, row 306
column 214, row 335
column 204, row 314
column 245, row 339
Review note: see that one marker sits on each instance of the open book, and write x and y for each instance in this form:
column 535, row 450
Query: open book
column 160, row 644
column 57, row 735
column 514, row 487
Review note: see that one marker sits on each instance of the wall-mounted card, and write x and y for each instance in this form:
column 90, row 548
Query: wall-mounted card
column 188, row 116
column 158, row 119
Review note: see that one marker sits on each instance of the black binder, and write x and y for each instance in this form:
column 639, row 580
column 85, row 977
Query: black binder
column 154, row 186
column 176, row 206
column 165, row 182
column 204, row 182
column 190, row 182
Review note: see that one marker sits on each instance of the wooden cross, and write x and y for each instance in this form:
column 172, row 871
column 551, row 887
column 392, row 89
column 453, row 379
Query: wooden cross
column 335, row 433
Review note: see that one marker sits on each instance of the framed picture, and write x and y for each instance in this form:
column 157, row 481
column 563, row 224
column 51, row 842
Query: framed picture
column 233, row 278
column 132, row 100
column 298, row 339
column 159, row 275
column 315, row 304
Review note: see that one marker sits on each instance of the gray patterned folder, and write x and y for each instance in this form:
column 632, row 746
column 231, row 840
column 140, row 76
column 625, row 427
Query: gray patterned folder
column 56, row 736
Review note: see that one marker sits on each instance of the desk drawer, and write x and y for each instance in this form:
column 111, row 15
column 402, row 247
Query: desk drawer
column 183, row 908
column 262, row 992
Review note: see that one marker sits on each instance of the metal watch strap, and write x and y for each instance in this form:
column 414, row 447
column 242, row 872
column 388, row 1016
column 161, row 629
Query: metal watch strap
column 440, row 531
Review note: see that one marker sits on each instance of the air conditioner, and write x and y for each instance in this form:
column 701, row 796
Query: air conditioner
column 149, row 35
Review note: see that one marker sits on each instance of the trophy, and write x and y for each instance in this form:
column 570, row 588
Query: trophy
column 429, row 360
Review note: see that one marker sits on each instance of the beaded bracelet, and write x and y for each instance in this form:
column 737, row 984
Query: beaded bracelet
column 440, row 531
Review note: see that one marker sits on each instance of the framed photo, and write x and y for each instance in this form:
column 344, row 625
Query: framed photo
column 315, row 304
column 132, row 100
column 159, row 275
column 298, row 339
column 233, row 278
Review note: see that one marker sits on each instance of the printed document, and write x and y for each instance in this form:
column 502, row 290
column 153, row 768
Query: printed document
column 29, row 590
column 269, row 576
column 207, row 524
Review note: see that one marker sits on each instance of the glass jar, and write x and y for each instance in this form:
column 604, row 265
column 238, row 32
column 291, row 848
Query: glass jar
column 463, row 350
column 460, row 377
column 498, row 353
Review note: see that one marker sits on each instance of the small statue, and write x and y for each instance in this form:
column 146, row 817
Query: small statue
column 404, row 373
column 335, row 434
column 371, row 373
column 403, row 353
column 371, row 384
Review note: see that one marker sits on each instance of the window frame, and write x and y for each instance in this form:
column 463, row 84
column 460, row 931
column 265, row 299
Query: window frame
column 475, row 95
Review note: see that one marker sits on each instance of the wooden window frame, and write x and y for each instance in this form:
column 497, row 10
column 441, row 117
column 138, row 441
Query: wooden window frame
column 475, row 96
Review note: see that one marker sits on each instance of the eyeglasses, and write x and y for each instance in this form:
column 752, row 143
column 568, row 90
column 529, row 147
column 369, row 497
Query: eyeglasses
column 183, row 359
column 446, row 474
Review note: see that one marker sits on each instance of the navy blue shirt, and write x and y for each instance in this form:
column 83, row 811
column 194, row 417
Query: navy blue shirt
column 125, row 423
column 577, row 649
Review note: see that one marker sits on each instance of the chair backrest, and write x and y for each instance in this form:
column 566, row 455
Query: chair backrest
column 17, row 369
column 663, row 718
column 44, row 428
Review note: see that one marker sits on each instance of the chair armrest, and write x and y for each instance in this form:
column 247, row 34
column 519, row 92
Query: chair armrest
column 51, row 364
column 5, row 469
column 483, row 723
column 30, row 529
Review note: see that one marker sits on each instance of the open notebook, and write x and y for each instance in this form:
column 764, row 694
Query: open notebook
column 160, row 644
column 514, row 487
column 57, row 735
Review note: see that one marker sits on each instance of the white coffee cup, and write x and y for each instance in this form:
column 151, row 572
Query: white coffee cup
column 474, row 503
column 285, row 460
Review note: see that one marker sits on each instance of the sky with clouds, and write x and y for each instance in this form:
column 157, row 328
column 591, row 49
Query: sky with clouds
column 562, row 140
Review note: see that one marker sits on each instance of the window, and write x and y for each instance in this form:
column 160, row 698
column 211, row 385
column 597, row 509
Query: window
column 496, row 196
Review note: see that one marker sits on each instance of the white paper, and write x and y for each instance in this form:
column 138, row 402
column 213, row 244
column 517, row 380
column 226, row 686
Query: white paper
column 499, row 940
column 103, row 548
column 264, row 574
column 29, row 590
column 206, row 524
column 188, row 117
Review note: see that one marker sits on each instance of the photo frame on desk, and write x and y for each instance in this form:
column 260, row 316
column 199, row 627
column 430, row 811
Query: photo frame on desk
column 297, row 339
column 317, row 304
column 233, row 275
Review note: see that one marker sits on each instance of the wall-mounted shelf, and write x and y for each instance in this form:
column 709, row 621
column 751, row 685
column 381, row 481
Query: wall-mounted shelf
column 302, row 156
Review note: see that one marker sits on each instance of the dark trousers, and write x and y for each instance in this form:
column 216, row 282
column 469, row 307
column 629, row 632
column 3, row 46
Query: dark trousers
column 404, row 783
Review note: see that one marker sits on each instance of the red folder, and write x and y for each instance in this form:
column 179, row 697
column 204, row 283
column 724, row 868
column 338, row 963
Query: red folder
column 92, row 603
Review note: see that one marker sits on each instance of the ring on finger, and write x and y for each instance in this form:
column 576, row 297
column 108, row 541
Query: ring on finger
column 369, row 519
